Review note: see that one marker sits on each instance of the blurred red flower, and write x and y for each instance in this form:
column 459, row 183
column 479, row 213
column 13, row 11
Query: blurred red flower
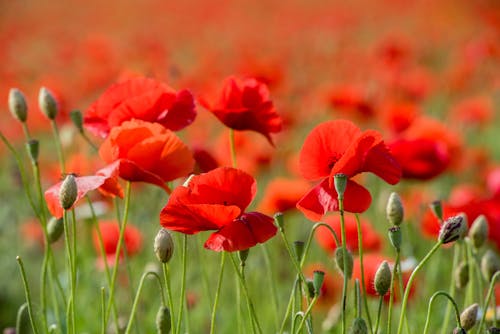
column 331, row 290
column 147, row 152
column 217, row 201
column 282, row 194
column 140, row 98
column 341, row 147
column 246, row 105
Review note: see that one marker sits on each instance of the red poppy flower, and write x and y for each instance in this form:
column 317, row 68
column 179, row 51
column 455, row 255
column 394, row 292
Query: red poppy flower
column 147, row 152
column 105, row 180
column 217, row 201
column 282, row 195
column 246, row 105
column 140, row 98
column 353, row 100
column 341, row 147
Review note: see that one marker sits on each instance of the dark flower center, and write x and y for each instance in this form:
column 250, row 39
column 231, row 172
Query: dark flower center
column 332, row 160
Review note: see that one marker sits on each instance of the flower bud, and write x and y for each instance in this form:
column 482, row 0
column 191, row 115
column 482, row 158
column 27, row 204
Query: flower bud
column 47, row 103
column 17, row 105
column 359, row 327
column 383, row 278
column 453, row 229
column 437, row 209
column 298, row 247
column 395, row 237
column 33, row 148
column 394, row 210
column 163, row 320
column 68, row 192
column 55, row 228
column 462, row 275
column 318, row 278
column 163, row 245
column 340, row 182
column 468, row 317
column 279, row 220
column 490, row 264
column 243, row 255
column 77, row 119
column 339, row 258
column 478, row 232
column 310, row 288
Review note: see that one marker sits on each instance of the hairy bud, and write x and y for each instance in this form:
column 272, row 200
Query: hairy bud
column 462, row 275
column 164, row 246
column 163, row 320
column 383, row 278
column 394, row 210
column 17, row 105
column 478, row 232
column 339, row 258
column 453, row 229
column 55, row 228
column 359, row 327
column 68, row 192
column 47, row 103
column 490, row 264
column 468, row 317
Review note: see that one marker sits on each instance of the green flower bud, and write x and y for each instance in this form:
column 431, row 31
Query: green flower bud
column 33, row 148
column 77, row 119
column 310, row 288
column 340, row 182
column 462, row 275
column 490, row 264
column 318, row 278
column 453, row 229
column 359, row 327
column 437, row 209
column 68, row 192
column 339, row 258
column 394, row 210
column 163, row 245
column 395, row 237
column 47, row 103
column 298, row 247
column 468, row 318
column 279, row 220
column 243, row 255
column 383, row 278
column 55, row 228
column 478, row 232
column 17, row 105
column 163, row 320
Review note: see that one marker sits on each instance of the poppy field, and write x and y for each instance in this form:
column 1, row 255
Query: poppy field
column 250, row 167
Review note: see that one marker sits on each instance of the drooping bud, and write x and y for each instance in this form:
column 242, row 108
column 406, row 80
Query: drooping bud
column 298, row 247
column 339, row 258
column 490, row 264
column 243, row 255
column 55, row 228
column 383, row 278
column 17, row 105
column 468, row 318
column 394, row 210
column 163, row 320
column 453, row 229
column 395, row 237
column 437, row 209
column 359, row 327
column 33, row 148
column 340, row 182
column 68, row 192
column 163, row 245
column 462, row 275
column 47, row 103
column 318, row 278
column 478, row 232
column 77, row 119
column 279, row 220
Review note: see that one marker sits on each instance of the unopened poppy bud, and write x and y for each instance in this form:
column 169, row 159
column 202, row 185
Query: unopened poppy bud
column 318, row 278
column 339, row 258
column 163, row 320
column 394, row 210
column 395, row 237
column 478, row 232
column 437, row 209
column 77, row 119
column 310, row 288
column 453, row 229
column 468, row 318
column 163, row 245
column 17, row 105
column 383, row 278
column 33, row 148
column 462, row 275
column 68, row 192
column 359, row 327
column 298, row 247
column 47, row 103
column 340, row 182
column 494, row 330
column 279, row 220
column 243, row 255
column 55, row 228
column 490, row 264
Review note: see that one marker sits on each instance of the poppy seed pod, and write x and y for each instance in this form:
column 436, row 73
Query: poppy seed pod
column 279, row 220
column 437, row 209
column 490, row 264
column 462, row 275
column 164, row 245
column 318, row 278
column 55, row 228
column 395, row 237
column 453, row 229
column 77, row 119
column 17, row 105
column 298, row 247
column 339, row 258
column 359, row 327
column 243, row 255
column 310, row 288
column 47, row 103
column 68, row 192
column 340, row 182
column 394, row 210
column 478, row 232
column 163, row 320
column 468, row 318
column 383, row 278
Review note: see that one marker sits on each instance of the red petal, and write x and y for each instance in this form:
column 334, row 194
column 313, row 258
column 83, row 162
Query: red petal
column 130, row 171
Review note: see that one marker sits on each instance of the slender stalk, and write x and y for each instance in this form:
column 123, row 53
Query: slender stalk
column 309, row 239
column 217, row 291
column 410, row 282
column 289, row 306
column 379, row 312
column 69, row 255
column 452, row 288
column 431, row 302
column 306, row 314
column 232, row 147
column 27, row 293
column 357, row 299
column 166, row 277
column 103, row 310
column 272, row 281
column 488, row 299
column 26, row 131
column 344, row 255
column 137, row 295
column 57, row 141
column 391, row 293
column 363, row 285
column 183, row 283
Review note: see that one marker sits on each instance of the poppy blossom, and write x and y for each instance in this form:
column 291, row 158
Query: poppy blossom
column 246, row 105
column 147, row 152
column 337, row 147
column 140, row 98
column 105, row 180
column 282, row 195
column 217, row 201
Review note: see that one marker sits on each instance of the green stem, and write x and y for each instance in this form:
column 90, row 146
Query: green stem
column 306, row 314
column 28, row 294
column 488, row 299
column 363, row 285
column 309, row 240
column 410, row 282
column 57, row 140
column 391, row 293
column 217, row 291
column 379, row 312
column 357, row 299
column 289, row 306
column 272, row 281
column 183, row 283
column 26, row 131
column 103, row 310
column 232, row 148
column 137, row 295
column 166, row 277
column 431, row 302
column 452, row 288
column 69, row 254
column 344, row 255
